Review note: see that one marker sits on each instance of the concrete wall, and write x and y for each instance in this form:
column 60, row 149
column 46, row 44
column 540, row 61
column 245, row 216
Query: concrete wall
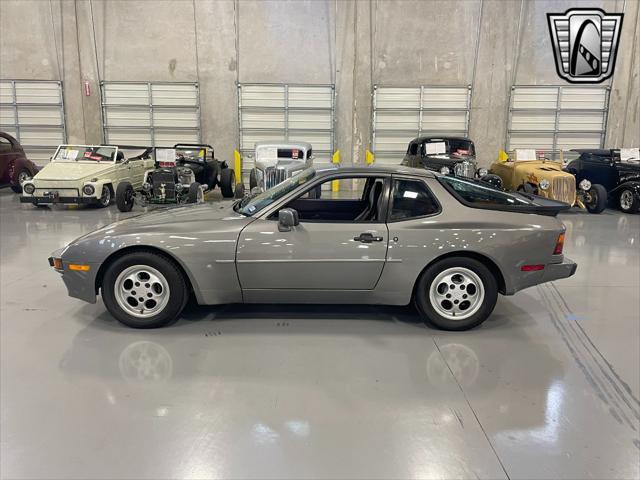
column 489, row 44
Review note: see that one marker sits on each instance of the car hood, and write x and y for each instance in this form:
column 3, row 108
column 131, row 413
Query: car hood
column 203, row 216
column 73, row 171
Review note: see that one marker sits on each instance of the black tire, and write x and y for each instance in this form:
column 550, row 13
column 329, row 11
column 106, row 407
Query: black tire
column 26, row 174
column 195, row 195
column 227, row 182
column 105, row 198
column 431, row 316
column 623, row 201
column 214, row 171
column 124, row 196
column 178, row 292
column 239, row 193
column 598, row 201
column 253, row 179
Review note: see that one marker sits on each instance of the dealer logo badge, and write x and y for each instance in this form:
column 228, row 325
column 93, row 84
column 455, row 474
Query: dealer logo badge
column 585, row 43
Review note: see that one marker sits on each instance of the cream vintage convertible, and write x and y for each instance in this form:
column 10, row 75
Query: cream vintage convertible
column 86, row 174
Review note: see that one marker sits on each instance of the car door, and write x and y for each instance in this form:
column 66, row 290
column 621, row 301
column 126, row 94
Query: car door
column 334, row 247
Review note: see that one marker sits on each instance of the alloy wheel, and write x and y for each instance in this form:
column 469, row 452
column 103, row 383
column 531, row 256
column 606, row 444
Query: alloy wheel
column 626, row 200
column 141, row 291
column 456, row 293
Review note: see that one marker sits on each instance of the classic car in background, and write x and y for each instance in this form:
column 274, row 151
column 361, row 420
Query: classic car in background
column 619, row 175
column 449, row 156
column 15, row 167
column 208, row 170
column 87, row 174
column 523, row 172
column 277, row 161
column 452, row 267
column 173, row 181
column 179, row 177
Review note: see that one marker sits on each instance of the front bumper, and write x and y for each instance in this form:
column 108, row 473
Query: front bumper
column 80, row 284
column 54, row 199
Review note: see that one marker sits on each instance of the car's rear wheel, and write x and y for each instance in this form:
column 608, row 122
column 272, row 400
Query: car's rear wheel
column 227, row 182
column 124, row 196
column 456, row 293
column 596, row 199
column 628, row 201
column 23, row 176
column 144, row 290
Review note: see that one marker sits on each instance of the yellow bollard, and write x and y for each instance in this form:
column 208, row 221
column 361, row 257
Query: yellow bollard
column 335, row 159
column 369, row 157
column 237, row 166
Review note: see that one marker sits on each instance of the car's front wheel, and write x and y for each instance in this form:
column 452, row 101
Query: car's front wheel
column 144, row 290
column 105, row 197
column 596, row 199
column 22, row 177
column 456, row 293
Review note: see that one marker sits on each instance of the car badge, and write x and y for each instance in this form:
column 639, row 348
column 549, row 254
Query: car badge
column 585, row 43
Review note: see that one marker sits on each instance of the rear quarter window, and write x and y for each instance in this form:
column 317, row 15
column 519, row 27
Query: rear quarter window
column 478, row 195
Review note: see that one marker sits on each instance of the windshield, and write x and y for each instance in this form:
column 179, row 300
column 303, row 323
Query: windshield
column 449, row 146
column 191, row 154
column 81, row 153
column 253, row 204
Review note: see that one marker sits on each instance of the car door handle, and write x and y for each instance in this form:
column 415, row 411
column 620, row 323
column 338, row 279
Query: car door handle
column 367, row 238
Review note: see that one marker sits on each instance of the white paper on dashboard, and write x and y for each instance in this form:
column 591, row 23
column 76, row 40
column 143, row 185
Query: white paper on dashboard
column 435, row 147
column 629, row 154
column 166, row 156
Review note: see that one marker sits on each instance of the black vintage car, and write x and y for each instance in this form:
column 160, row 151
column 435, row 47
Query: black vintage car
column 448, row 155
column 620, row 178
column 209, row 171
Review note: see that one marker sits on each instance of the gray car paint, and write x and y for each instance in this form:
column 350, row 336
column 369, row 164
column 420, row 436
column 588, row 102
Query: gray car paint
column 232, row 258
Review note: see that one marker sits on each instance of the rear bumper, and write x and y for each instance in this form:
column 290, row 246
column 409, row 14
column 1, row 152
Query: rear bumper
column 62, row 200
column 552, row 271
column 557, row 271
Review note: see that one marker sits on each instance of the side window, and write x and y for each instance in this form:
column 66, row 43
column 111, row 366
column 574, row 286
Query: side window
column 360, row 200
column 411, row 199
column 480, row 195
column 5, row 145
column 413, row 149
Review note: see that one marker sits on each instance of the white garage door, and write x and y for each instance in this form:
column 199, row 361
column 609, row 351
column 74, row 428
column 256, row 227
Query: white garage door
column 276, row 112
column 148, row 113
column 554, row 118
column 33, row 112
column 401, row 114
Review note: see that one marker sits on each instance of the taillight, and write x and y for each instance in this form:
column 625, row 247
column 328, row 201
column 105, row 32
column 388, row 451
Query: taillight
column 559, row 245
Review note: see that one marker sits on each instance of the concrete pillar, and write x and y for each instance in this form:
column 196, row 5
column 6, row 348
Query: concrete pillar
column 623, row 124
column 217, row 65
column 493, row 77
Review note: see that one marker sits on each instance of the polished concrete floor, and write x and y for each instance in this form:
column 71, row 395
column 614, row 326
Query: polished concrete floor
column 548, row 387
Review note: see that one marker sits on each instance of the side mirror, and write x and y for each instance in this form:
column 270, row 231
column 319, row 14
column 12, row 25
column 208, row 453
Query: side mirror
column 287, row 219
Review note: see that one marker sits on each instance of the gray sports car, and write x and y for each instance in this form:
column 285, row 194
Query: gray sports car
column 395, row 235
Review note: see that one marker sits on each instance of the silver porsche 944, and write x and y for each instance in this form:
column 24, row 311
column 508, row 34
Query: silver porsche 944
column 392, row 236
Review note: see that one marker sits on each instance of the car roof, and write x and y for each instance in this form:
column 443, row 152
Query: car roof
column 378, row 169
column 594, row 151
column 305, row 145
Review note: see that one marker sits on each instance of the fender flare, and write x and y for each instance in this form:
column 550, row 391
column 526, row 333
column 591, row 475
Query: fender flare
column 633, row 185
